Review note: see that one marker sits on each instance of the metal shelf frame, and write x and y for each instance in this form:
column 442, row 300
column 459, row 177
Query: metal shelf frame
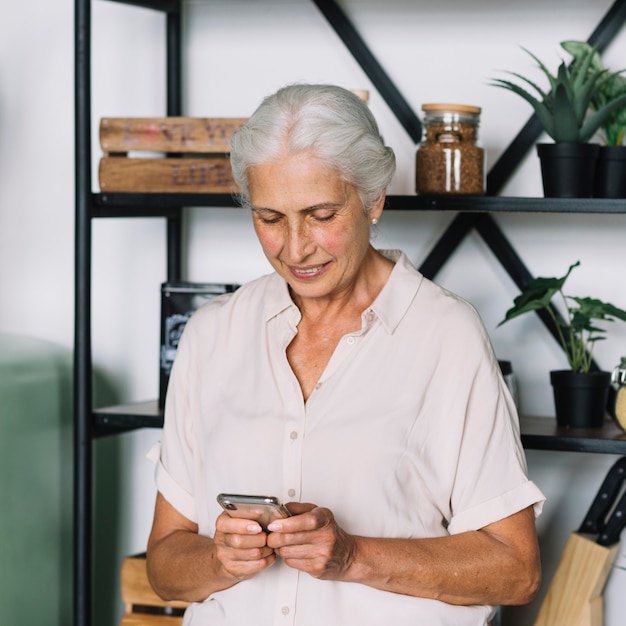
column 161, row 204
column 538, row 433
column 472, row 214
column 86, row 207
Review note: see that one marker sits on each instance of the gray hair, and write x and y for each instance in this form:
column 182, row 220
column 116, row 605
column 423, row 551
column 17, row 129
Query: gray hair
column 330, row 122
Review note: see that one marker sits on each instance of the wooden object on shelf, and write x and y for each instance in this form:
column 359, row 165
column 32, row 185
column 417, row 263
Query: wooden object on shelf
column 145, row 619
column 198, row 135
column 136, row 150
column 209, row 175
column 574, row 597
column 142, row 606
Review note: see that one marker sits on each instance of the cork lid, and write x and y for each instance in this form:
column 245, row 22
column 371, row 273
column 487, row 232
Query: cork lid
column 452, row 108
column 364, row 94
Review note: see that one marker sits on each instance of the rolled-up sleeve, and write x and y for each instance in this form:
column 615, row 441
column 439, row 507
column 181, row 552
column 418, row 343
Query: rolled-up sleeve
column 174, row 456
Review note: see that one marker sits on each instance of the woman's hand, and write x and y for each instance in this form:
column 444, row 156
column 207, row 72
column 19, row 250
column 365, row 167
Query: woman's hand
column 311, row 541
column 241, row 547
column 498, row 564
column 184, row 565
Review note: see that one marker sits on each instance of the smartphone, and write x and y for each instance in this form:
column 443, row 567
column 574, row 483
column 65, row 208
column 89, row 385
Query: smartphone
column 261, row 509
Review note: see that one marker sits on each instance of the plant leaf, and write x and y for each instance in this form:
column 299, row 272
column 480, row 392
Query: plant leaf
column 609, row 87
column 579, row 49
column 541, row 108
column 597, row 309
column 598, row 118
column 544, row 69
column 566, row 121
column 537, row 295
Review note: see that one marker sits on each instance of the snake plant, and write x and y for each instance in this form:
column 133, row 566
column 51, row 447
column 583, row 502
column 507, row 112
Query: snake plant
column 563, row 109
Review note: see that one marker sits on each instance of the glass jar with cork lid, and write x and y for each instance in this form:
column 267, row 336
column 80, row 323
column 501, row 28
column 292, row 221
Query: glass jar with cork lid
column 450, row 159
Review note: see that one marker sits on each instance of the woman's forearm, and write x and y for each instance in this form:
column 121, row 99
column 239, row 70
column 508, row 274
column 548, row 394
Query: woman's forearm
column 477, row 567
column 183, row 566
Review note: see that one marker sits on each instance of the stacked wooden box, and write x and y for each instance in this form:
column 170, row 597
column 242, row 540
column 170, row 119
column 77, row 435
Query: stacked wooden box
column 142, row 606
column 167, row 155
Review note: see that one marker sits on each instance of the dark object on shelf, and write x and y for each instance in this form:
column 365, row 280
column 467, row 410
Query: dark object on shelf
column 179, row 300
column 610, row 180
column 568, row 169
column 618, row 378
column 506, row 367
column 580, row 399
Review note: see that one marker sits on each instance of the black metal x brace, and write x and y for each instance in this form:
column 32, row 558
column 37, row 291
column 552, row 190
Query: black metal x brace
column 500, row 172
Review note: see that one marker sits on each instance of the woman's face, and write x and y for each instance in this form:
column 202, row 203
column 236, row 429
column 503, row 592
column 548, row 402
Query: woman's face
column 311, row 224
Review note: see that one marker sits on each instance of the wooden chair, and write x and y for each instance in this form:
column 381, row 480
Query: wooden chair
column 142, row 606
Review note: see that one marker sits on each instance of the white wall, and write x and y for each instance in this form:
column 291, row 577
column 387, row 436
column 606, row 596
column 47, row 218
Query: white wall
column 236, row 52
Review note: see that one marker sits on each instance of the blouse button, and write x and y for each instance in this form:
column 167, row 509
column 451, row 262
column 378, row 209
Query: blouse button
column 285, row 610
column 293, row 434
column 350, row 341
column 291, row 493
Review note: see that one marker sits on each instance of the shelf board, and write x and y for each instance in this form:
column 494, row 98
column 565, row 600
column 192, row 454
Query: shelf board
column 169, row 204
column 155, row 204
column 167, row 6
column 124, row 417
column 538, row 433
column 505, row 204
column 541, row 433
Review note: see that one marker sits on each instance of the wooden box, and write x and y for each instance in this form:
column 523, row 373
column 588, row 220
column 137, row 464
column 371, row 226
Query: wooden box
column 167, row 155
column 142, row 606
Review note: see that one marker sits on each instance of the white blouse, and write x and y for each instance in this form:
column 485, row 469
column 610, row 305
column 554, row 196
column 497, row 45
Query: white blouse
column 410, row 432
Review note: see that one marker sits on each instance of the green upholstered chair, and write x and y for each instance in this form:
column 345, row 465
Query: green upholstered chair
column 35, row 482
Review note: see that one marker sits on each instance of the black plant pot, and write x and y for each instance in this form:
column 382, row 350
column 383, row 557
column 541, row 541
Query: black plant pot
column 610, row 179
column 568, row 169
column 580, row 400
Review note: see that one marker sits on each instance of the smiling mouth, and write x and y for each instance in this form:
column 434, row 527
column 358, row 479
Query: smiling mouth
column 308, row 272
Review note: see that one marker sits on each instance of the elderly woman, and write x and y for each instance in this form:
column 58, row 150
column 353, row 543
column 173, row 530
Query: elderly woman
column 349, row 385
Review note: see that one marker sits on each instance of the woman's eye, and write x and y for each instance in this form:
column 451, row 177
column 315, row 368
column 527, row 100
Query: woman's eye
column 269, row 218
column 326, row 217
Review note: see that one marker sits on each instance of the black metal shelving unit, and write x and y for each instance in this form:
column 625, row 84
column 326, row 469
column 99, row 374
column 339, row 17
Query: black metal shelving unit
column 87, row 208
column 538, row 433
column 472, row 214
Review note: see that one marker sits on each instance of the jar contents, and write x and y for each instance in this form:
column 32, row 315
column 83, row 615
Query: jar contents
column 619, row 377
column 449, row 159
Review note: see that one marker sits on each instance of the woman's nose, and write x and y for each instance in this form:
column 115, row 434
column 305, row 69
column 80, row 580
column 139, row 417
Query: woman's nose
column 300, row 243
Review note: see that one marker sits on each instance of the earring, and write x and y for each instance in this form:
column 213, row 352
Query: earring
column 374, row 221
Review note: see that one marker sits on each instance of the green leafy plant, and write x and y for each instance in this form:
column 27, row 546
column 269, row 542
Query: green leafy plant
column 563, row 109
column 614, row 126
column 577, row 332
